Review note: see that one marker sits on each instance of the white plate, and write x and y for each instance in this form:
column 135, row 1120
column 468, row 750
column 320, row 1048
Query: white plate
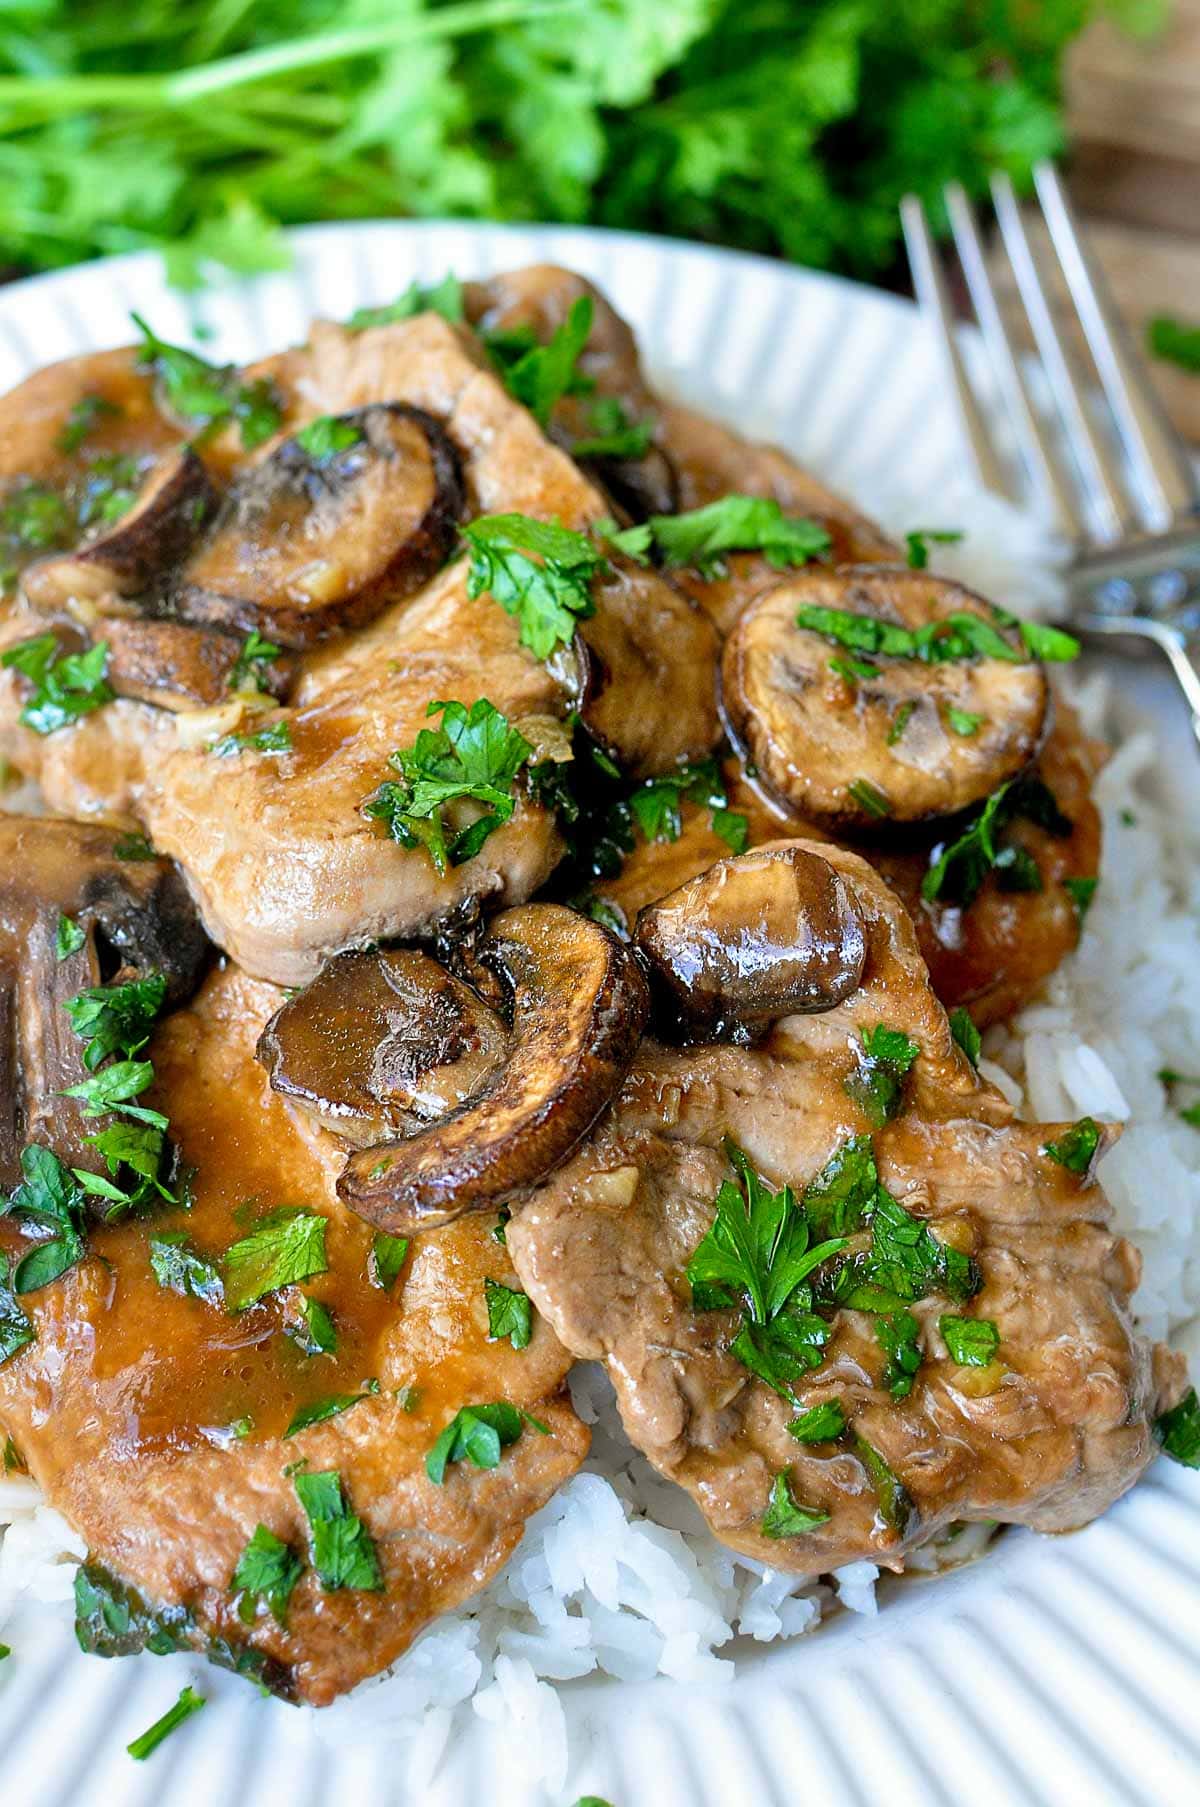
column 1056, row 1671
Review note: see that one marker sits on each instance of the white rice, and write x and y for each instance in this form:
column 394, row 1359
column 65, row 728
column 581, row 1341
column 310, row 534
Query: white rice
column 617, row 1574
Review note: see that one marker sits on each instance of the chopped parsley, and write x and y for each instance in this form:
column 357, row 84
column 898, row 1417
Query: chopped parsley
column 900, row 721
column 870, row 798
column 510, row 1313
column 85, row 416
column 1175, row 341
column 341, row 1549
column 323, row 438
column 284, row 1247
column 500, row 1227
column 208, row 394
column 613, row 434
column 957, row 636
column 386, row 1259
column 962, row 721
column 1179, row 1430
column 905, row 1262
column 179, row 1267
column 116, row 1018
column 478, row 1434
column 444, row 298
column 316, row 1332
column 65, row 686
column 820, row 1424
column 895, row 1505
column 898, row 1335
column 267, row 1571
column 1081, row 891
column 329, row 1407
column 474, row 755
column 113, row 1086
column 16, row 1330
column 972, row 1342
column 538, row 572
column 838, row 1198
column 276, row 737
column 963, row 1029
column 1016, row 870
column 784, row 1518
column 36, row 518
column 877, row 1084
column 701, row 536
column 246, row 672
column 1075, row 1150
column 49, row 1198
column 961, row 866
column 133, row 847
column 919, row 540
column 537, row 375
column 109, row 489
column 189, row 1702
column 68, row 938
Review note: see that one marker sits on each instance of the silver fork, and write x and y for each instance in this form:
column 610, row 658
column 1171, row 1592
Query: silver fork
column 1133, row 523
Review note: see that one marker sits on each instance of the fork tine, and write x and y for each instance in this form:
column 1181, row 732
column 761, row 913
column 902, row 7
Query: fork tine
column 1034, row 443
column 1110, row 508
column 1163, row 471
column 930, row 286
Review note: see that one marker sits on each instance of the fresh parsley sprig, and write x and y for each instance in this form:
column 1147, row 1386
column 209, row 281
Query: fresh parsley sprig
column 539, row 573
column 478, row 1434
column 877, row 1083
column 284, row 1247
column 66, row 686
column 538, row 375
column 701, row 537
column 444, row 298
column 208, row 394
column 340, row 1547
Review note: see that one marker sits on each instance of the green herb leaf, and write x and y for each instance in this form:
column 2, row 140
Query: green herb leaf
column 109, row 489
column 758, row 1245
column 322, row 439
column 877, row 1085
column 538, row 572
column 386, row 1259
column 316, row 1332
column 341, row 1549
column 962, row 721
column 189, row 1702
column 16, row 1329
column 284, row 1247
column 329, row 1407
column 962, row 864
column 868, row 796
column 444, row 298
column 736, row 524
column 267, row 1570
column 960, row 635
column 920, row 539
column 972, row 1342
column 838, row 1199
column 50, row 1198
column 64, row 687
column 613, row 434
column 500, row 1227
column 477, row 1434
column 732, row 827
column 36, row 518
column 115, row 1085
column 963, row 1029
column 474, row 756
column 1076, row 1148
column 898, row 1336
column 83, row 419
column 510, row 1313
column 209, row 394
column 68, row 938
column 1081, row 891
column 784, row 1518
column 112, row 1018
column 246, row 672
column 133, row 847
column 900, row 722
column 276, row 737
column 895, row 1505
column 179, row 1267
column 820, row 1424
column 112, row 1619
column 1179, row 1430
column 1050, row 644
column 540, row 375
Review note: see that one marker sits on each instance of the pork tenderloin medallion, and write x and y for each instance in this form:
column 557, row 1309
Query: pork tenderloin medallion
column 844, row 1299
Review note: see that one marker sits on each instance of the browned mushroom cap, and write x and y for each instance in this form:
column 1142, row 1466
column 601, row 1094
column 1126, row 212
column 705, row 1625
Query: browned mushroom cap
column 382, row 1043
column 176, row 498
column 136, row 916
column 313, row 543
column 846, row 731
column 578, row 1004
column 177, row 666
column 755, row 938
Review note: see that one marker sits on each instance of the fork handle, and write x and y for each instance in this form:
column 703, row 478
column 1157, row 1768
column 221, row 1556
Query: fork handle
column 1182, row 650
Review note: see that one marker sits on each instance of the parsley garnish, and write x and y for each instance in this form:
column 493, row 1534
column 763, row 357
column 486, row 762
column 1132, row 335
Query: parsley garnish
column 133, row 847
column 316, row 1333
column 540, row 375
column 538, row 572
column 510, row 1313
column 115, row 1086
column 962, row 721
column 16, row 1330
column 189, row 1702
column 1179, row 1430
column 329, row 1407
column 1049, row 644
column 900, row 722
column 732, row 524
column 36, row 517
column 342, row 1552
column 475, row 754
column 64, row 686
column 905, row 1262
column 284, row 1247
column 972, row 1342
column 477, row 1434
column 110, row 488
column 895, row 1505
column 179, row 1267
column 1017, row 870
column 444, row 298
column 1081, row 892
column 500, row 1227
column 877, row 1085
column 50, row 1198
column 1075, row 1149
column 210, row 394
column 963, row 1029
column 897, row 1334
column 68, row 938
column 963, row 864
column 386, row 1259
column 960, row 635
column 920, row 539
column 868, row 796
column 267, row 1570
column 820, row 1424
column 256, row 652
column 82, row 420
column 784, row 1518
column 837, row 1200
column 276, row 737
column 112, row 1018
column 613, row 434
column 322, row 439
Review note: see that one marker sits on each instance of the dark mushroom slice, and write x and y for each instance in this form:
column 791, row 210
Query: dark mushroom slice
column 382, row 1043
column 137, row 551
column 899, row 700
column 136, row 917
column 578, row 1006
column 176, row 666
column 756, row 937
column 313, row 542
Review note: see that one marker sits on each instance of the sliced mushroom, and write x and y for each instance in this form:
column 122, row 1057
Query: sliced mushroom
column 512, row 1110
column 177, row 666
column 136, row 917
column 755, row 938
column 381, row 1044
column 861, row 736
column 138, row 550
column 310, row 545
